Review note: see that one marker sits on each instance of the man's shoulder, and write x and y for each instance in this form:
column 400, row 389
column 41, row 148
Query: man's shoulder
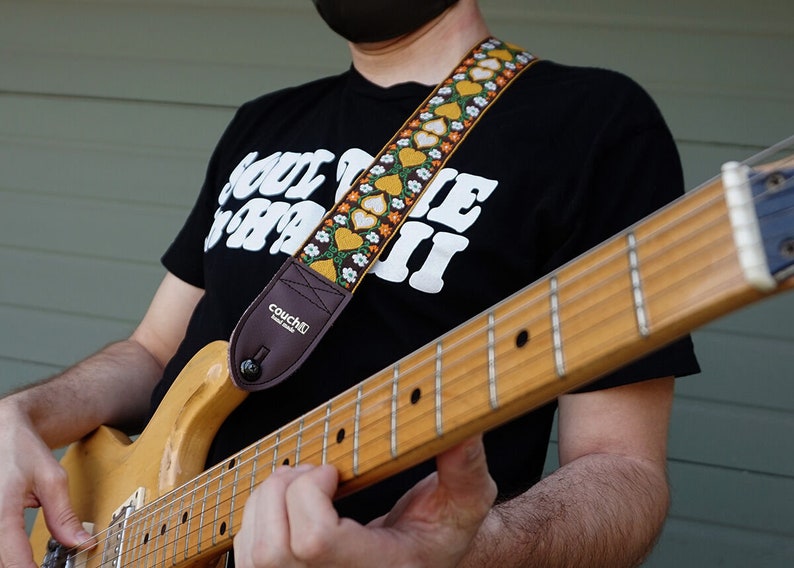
column 582, row 79
column 310, row 89
column 578, row 92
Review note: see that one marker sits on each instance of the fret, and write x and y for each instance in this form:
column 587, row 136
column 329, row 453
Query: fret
column 439, row 424
column 492, row 362
column 178, row 526
column 232, row 502
column 134, row 540
column 160, row 532
column 203, row 511
column 188, row 533
column 393, row 418
column 254, row 464
column 356, row 428
column 341, row 424
column 143, row 547
column 326, row 428
column 559, row 360
column 707, row 266
column 218, row 494
column 167, row 528
column 636, row 286
column 275, row 452
column 298, row 442
column 150, row 538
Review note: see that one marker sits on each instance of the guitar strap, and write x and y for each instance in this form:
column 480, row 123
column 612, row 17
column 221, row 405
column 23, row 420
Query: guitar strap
column 285, row 322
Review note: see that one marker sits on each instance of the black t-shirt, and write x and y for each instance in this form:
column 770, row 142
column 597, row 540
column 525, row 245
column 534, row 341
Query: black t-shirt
column 567, row 158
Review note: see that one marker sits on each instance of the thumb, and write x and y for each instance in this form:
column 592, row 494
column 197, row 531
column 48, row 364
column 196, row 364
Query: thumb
column 463, row 472
column 52, row 490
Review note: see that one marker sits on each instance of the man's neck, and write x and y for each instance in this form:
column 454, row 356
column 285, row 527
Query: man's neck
column 425, row 56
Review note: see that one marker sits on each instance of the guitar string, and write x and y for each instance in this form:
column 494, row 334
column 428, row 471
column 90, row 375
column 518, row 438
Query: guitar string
column 243, row 461
column 218, row 479
column 210, row 481
column 621, row 254
column 769, row 152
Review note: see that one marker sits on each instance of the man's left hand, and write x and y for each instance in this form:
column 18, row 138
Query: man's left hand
column 290, row 520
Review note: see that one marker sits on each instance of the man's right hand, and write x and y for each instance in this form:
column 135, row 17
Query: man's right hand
column 30, row 477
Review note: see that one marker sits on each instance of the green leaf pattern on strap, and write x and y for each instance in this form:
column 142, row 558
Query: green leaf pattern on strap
column 359, row 226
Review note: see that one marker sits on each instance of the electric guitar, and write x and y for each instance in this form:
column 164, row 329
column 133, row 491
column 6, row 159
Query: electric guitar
column 720, row 247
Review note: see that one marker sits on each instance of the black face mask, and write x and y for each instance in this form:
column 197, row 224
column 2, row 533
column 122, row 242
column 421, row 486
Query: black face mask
column 362, row 21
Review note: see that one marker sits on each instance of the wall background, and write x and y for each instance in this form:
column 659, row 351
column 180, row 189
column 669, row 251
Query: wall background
column 110, row 108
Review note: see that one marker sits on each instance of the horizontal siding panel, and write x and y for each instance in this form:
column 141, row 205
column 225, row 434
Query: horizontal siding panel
column 58, row 283
column 770, row 318
column 195, row 84
column 702, row 162
column 134, row 233
column 52, row 339
column 162, row 53
column 728, row 436
column 752, row 371
column 93, row 123
column 108, row 173
column 701, row 15
column 687, row 544
column 723, row 119
column 740, row 499
column 17, row 373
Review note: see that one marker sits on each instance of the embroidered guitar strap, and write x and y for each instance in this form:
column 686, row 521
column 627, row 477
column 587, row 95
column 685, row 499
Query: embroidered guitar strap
column 287, row 320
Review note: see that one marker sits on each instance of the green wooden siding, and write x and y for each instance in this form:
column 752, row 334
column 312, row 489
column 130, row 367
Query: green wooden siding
column 109, row 110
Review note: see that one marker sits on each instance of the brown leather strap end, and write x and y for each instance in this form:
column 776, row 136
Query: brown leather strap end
column 282, row 326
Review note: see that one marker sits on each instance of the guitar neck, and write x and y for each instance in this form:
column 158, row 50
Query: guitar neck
column 659, row 279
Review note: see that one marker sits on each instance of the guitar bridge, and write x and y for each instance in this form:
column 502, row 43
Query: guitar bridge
column 115, row 536
column 58, row 556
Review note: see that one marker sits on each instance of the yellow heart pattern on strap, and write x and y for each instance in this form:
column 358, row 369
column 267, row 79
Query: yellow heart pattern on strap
column 502, row 54
column 325, row 268
column 347, row 239
column 410, row 158
column 392, row 184
column 449, row 110
column 466, row 88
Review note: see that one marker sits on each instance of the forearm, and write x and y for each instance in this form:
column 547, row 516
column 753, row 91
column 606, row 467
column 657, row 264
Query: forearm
column 599, row 510
column 110, row 387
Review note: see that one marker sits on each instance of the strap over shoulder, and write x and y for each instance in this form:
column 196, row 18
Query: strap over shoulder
column 289, row 317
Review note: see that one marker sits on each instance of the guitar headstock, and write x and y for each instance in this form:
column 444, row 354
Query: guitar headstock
column 760, row 194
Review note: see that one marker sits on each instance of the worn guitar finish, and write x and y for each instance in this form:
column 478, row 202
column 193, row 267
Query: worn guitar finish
column 701, row 257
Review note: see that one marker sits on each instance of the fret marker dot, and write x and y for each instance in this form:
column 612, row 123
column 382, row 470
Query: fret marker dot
column 285, row 462
column 522, row 338
column 162, row 530
column 145, row 538
column 184, row 517
column 223, row 528
column 340, row 435
column 231, row 464
column 416, row 395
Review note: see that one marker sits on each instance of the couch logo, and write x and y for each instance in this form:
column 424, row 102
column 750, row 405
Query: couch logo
column 287, row 321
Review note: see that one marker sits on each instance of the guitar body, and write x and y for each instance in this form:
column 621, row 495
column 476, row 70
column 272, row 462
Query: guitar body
column 106, row 469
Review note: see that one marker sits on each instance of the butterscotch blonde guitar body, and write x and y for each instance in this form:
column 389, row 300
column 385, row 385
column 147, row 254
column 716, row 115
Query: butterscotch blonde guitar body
column 106, row 469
